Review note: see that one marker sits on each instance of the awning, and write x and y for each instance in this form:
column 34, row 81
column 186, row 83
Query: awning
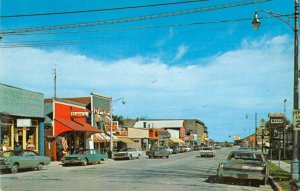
column 113, row 137
column 176, row 140
column 100, row 137
column 126, row 140
column 68, row 125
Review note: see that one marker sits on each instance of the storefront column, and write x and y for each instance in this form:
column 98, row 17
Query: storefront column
column 0, row 131
column 37, row 138
column 41, row 139
column 12, row 135
column 24, row 133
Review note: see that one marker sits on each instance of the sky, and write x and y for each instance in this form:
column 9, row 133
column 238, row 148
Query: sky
column 203, row 61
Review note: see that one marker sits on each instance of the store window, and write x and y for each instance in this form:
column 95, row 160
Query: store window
column 6, row 125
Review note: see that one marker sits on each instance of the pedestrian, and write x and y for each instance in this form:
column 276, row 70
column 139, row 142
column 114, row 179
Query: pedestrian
column 18, row 147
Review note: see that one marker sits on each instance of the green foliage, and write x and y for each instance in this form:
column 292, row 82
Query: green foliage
column 280, row 176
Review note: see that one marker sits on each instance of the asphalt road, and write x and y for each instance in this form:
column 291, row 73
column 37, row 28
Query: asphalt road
column 184, row 172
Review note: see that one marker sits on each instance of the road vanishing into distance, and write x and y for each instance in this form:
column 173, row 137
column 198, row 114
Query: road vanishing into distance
column 183, row 171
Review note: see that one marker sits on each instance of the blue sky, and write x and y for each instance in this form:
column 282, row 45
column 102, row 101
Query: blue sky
column 217, row 73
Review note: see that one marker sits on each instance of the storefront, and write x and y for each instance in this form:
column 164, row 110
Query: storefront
column 67, row 129
column 22, row 119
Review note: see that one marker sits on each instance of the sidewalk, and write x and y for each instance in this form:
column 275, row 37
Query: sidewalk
column 283, row 165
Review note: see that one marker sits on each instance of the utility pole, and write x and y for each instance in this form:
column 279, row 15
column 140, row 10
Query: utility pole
column 54, row 78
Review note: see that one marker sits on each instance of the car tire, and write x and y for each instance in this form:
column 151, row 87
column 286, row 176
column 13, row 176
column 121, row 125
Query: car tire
column 40, row 166
column 15, row 168
column 149, row 157
column 167, row 156
column 255, row 183
column 264, row 181
column 84, row 162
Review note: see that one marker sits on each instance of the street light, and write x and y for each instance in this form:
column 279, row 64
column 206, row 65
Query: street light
column 110, row 152
column 255, row 24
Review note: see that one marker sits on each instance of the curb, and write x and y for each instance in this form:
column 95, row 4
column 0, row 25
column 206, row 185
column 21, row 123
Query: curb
column 275, row 186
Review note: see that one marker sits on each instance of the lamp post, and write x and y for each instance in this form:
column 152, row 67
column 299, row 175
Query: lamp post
column 110, row 152
column 284, row 125
column 255, row 24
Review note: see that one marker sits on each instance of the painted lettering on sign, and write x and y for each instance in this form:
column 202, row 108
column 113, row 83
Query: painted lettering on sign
column 277, row 121
column 101, row 111
column 79, row 114
column 296, row 122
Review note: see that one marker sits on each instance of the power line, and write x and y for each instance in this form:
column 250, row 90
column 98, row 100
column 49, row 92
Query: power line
column 83, row 41
column 144, row 27
column 132, row 19
column 101, row 10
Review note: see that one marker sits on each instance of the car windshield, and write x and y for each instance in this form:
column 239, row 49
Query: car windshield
column 246, row 156
column 207, row 148
column 125, row 149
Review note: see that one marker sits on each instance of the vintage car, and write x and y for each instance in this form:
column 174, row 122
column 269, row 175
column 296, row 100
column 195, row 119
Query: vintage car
column 26, row 159
column 247, row 165
column 128, row 153
column 156, row 152
column 206, row 151
column 84, row 157
column 169, row 149
column 175, row 149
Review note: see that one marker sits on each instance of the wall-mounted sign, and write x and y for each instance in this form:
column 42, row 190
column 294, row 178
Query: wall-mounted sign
column 296, row 121
column 164, row 134
column 101, row 111
column 276, row 120
column 79, row 114
column 24, row 123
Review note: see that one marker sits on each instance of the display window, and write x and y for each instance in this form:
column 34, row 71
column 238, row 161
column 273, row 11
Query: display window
column 6, row 125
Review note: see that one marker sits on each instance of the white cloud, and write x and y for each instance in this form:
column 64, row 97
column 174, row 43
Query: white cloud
column 181, row 51
column 255, row 78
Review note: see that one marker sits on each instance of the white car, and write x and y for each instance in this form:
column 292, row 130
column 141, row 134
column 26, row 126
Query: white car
column 128, row 153
column 207, row 151
column 169, row 150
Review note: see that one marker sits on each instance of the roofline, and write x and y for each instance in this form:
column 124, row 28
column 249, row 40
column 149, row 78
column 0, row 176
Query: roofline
column 21, row 89
column 102, row 96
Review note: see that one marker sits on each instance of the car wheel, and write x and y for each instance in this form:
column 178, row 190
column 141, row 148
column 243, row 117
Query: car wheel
column 40, row 166
column 14, row 169
column 264, row 181
column 84, row 162
column 149, row 157
column 167, row 156
column 255, row 183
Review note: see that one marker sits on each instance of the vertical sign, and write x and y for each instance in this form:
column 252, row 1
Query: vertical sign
column 296, row 117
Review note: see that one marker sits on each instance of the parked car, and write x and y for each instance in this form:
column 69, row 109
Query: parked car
column 128, row 153
column 217, row 146
column 248, row 165
column 197, row 148
column 84, row 157
column 185, row 149
column 169, row 149
column 158, row 152
column 175, row 149
column 207, row 151
column 14, row 160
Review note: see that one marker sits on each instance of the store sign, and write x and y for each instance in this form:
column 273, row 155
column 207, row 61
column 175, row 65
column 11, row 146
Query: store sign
column 101, row 111
column 164, row 134
column 276, row 120
column 296, row 122
column 24, row 123
column 79, row 114
column 114, row 126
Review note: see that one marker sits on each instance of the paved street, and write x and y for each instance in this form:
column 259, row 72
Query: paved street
column 184, row 171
